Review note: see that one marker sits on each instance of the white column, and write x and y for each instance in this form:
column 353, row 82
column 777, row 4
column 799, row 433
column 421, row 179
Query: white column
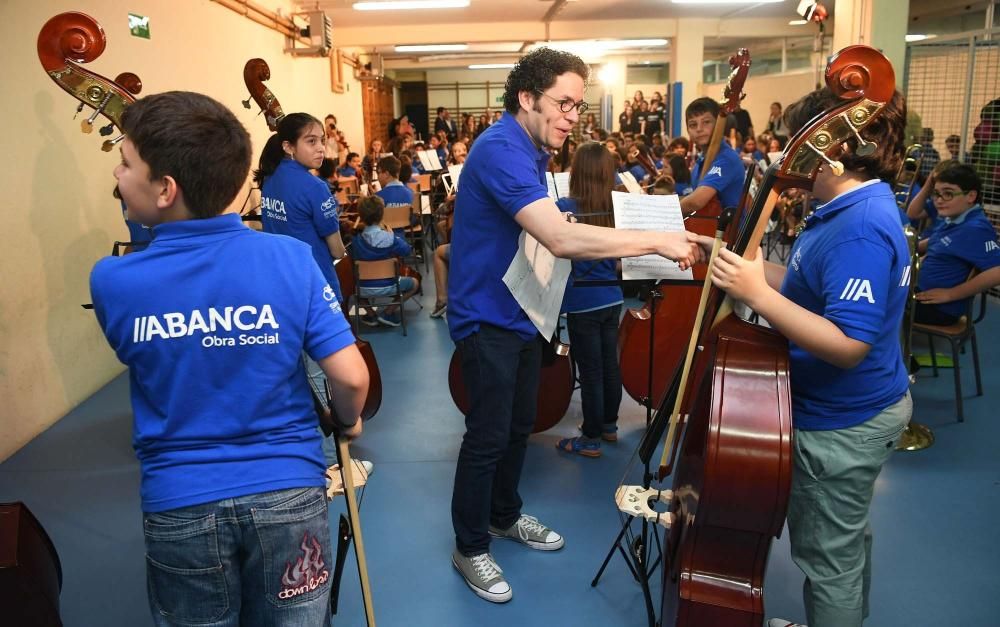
column 878, row 24
column 688, row 56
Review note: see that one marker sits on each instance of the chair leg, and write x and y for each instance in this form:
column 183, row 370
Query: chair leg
column 958, row 380
column 930, row 341
column 975, row 364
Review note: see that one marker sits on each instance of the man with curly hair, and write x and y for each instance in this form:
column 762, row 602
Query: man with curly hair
column 503, row 192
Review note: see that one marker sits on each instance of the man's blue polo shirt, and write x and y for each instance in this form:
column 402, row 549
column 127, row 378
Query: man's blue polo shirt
column 851, row 265
column 504, row 173
column 211, row 320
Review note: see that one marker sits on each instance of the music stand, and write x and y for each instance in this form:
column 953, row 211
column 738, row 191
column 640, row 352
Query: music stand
column 638, row 557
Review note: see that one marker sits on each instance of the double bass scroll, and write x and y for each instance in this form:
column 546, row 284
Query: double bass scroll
column 71, row 38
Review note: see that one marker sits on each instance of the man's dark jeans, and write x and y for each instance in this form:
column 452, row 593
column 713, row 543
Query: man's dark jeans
column 501, row 374
column 593, row 337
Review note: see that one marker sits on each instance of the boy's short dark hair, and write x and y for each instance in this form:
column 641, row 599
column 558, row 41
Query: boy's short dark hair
column 389, row 165
column 327, row 168
column 351, row 156
column 962, row 175
column 195, row 140
column 440, row 110
column 886, row 131
column 701, row 105
column 679, row 141
column 537, row 71
column 371, row 209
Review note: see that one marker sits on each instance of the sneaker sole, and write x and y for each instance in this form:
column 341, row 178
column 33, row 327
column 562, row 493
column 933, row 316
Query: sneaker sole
column 609, row 437
column 483, row 594
column 538, row 546
column 388, row 323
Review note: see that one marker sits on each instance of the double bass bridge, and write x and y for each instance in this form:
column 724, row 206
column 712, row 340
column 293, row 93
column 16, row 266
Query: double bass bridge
column 640, row 502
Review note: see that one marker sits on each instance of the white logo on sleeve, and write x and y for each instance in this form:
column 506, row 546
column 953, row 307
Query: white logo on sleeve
column 715, row 169
column 905, row 281
column 856, row 289
column 328, row 293
column 991, row 246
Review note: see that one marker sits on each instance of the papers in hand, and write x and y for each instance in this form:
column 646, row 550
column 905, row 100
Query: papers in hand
column 537, row 280
column 450, row 178
column 649, row 213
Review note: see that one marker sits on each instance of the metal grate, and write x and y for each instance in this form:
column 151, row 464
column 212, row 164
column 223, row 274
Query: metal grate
column 953, row 89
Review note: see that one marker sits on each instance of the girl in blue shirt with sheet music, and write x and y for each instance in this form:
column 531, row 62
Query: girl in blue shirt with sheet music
column 592, row 313
column 840, row 304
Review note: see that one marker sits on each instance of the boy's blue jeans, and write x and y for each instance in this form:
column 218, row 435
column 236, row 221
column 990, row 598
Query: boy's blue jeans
column 261, row 559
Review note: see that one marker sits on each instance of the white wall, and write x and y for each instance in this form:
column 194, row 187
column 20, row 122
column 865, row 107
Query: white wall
column 60, row 215
column 761, row 91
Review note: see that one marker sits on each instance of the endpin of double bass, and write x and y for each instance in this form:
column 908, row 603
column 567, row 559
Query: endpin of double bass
column 865, row 148
column 88, row 125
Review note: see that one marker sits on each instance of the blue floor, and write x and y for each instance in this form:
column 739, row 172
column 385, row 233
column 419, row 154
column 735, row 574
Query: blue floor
column 937, row 554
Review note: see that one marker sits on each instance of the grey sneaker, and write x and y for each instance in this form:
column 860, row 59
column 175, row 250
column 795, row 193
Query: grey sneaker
column 528, row 531
column 439, row 309
column 483, row 575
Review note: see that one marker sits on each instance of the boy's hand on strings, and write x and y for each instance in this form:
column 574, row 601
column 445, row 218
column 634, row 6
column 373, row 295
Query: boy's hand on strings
column 742, row 279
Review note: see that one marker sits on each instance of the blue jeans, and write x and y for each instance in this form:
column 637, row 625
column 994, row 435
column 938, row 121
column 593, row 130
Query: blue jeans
column 261, row 559
column 593, row 338
column 501, row 374
column 406, row 284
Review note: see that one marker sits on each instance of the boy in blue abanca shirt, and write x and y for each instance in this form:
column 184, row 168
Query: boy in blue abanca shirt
column 224, row 423
column 374, row 244
column 724, row 178
column 964, row 241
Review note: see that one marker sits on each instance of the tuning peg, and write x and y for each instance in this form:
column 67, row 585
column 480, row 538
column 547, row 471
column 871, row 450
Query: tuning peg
column 107, row 130
column 79, row 108
column 87, row 126
column 109, row 144
column 246, row 103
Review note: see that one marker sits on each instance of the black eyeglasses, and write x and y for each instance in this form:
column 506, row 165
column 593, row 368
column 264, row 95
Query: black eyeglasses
column 947, row 194
column 567, row 104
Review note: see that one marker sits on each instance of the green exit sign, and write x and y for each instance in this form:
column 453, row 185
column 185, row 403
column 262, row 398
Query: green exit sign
column 138, row 25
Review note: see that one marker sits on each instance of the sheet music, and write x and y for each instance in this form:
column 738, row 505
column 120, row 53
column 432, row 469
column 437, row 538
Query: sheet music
column 425, row 160
column 550, row 183
column 449, row 187
column 631, row 184
column 561, row 181
column 435, row 159
column 537, row 280
column 425, row 204
column 649, row 213
column 455, row 171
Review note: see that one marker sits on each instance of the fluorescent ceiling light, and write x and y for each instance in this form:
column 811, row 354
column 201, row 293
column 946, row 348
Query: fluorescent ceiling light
column 491, row 66
column 798, row 22
column 401, row 5
column 599, row 46
column 913, row 38
column 433, row 48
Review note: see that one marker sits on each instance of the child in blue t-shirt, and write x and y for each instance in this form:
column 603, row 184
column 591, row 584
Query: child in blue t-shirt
column 351, row 167
column 592, row 313
column 224, row 422
column 964, row 241
column 921, row 209
column 724, row 176
column 375, row 243
column 840, row 304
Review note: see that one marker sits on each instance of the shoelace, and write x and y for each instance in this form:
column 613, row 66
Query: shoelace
column 529, row 524
column 485, row 567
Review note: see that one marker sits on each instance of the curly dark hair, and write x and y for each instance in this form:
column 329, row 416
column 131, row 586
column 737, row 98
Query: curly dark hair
column 886, row 130
column 537, row 71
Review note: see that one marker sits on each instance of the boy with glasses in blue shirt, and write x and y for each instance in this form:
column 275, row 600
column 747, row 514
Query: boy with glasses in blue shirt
column 963, row 242
column 211, row 320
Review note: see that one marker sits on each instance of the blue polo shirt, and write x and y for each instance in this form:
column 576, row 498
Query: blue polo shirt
column 293, row 202
column 346, row 172
column 396, row 194
column 505, row 172
column 725, row 175
column 221, row 406
column 138, row 234
column 954, row 248
column 851, row 265
column 582, row 299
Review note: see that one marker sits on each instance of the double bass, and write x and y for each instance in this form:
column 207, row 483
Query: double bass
column 675, row 315
column 255, row 72
column 728, row 443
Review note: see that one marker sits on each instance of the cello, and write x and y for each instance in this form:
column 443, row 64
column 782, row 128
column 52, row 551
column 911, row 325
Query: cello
column 255, row 72
column 71, row 38
column 674, row 321
column 729, row 432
